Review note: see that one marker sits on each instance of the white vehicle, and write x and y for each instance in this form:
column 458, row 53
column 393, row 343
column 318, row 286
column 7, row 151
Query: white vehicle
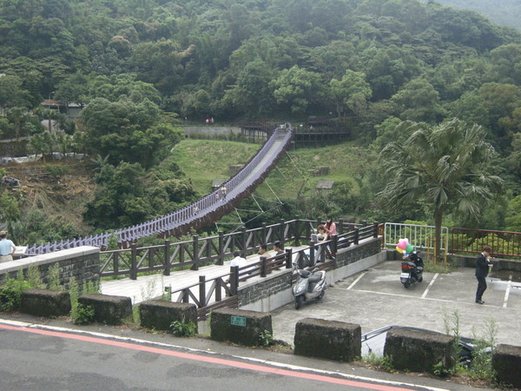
column 310, row 285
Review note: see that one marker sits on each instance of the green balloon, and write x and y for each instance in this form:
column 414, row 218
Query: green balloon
column 410, row 248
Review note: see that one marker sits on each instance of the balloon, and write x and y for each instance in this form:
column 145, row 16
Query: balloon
column 400, row 250
column 409, row 248
column 402, row 244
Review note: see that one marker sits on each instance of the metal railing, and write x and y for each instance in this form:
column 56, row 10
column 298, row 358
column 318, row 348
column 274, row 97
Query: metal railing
column 420, row 236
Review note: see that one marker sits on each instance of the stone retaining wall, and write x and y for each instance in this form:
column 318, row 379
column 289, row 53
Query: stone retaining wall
column 82, row 263
column 419, row 350
column 331, row 340
column 108, row 309
column 506, row 362
column 44, row 302
column 239, row 326
column 159, row 314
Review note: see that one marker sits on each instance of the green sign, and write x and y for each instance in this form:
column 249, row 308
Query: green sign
column 238, row 321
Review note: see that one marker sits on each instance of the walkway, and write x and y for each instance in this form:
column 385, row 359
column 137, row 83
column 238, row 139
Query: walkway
column 153, row 286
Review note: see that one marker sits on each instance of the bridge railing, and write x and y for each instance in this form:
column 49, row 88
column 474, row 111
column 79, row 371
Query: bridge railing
column 216, row 249
column 180, row 218
column 218, row 289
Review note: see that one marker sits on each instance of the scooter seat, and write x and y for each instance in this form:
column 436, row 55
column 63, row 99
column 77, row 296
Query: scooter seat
column 316, row 277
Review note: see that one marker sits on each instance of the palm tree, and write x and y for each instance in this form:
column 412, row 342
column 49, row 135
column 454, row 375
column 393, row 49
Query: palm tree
column 448, row 166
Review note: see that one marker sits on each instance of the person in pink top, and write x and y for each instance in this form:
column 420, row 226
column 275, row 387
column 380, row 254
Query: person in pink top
column 330, row 228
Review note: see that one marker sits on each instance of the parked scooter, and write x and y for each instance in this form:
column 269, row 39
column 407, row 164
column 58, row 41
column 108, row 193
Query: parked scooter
column 310, row 285
column 412, row 270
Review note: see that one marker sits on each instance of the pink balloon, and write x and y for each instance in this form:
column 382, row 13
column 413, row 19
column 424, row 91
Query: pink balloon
column 402, row 244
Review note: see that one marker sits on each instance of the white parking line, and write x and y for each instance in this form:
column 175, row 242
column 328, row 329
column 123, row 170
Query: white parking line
column 355, row 281
column 507, row 292
column 429, row 286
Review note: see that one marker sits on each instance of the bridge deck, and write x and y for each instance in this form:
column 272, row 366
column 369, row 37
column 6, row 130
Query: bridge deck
column 153, row 286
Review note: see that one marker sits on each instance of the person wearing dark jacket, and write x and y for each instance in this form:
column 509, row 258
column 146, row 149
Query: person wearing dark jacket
column 482, row 267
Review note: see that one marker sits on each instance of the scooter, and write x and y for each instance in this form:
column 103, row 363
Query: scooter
column 412, row 270
column 310, row 285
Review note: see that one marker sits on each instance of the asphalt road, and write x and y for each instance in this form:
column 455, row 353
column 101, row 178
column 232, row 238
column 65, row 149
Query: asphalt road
column 375, row 298
column 34, row 359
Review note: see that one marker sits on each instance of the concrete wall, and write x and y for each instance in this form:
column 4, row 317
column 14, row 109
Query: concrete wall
column 499, row 264
column 212, row 131
column 82, row 263
column 274, row 291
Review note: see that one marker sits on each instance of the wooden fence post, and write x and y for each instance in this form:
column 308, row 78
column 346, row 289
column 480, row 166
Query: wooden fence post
column 334, row 245
column 311, row 253
column 234, row 280
column 357, row 236
column 115, row 263
column 202, row 291
column 289, row 260
column 340, row 227
column 282, row 237
column 133, row 261
column 263, row 266
column 296, row 233
column 195, row 260
column 220, row 256
column 218, row 289
column 375, row 230
column 243, row 242
column 166, row 260
column 264, row 233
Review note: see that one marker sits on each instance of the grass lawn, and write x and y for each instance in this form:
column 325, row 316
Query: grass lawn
column 206, row 160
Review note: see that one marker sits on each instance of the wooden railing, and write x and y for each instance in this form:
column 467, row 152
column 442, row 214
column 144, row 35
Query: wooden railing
column 223, row 289
column 216, row 249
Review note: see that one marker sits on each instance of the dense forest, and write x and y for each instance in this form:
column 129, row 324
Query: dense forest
column 140, row 68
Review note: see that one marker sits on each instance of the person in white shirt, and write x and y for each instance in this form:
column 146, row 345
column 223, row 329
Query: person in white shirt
column 7, row 248
column 238, row 260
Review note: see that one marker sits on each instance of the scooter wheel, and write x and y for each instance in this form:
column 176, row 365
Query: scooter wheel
column 420, row 279
column 299, row 301
column 407, row 285
column 321, row 296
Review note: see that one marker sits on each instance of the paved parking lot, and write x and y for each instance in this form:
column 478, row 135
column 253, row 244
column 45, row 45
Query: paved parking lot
column 375, row 298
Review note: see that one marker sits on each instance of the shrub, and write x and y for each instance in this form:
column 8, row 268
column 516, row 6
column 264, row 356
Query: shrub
column 183, row 329
column 11, row 294
column 84, row 314
column 265, row 338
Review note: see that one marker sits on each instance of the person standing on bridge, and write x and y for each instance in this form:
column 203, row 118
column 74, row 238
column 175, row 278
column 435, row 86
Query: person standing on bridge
column 7, row 248
column 482, row 267
column 237, row 260
column 223, row 192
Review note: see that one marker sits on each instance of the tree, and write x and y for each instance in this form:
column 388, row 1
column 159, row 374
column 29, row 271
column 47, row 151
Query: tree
column 448, row 166
column 252, row 94
column 297, row 88
column 127, row 131
column 417, row 100
column 352, row 92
